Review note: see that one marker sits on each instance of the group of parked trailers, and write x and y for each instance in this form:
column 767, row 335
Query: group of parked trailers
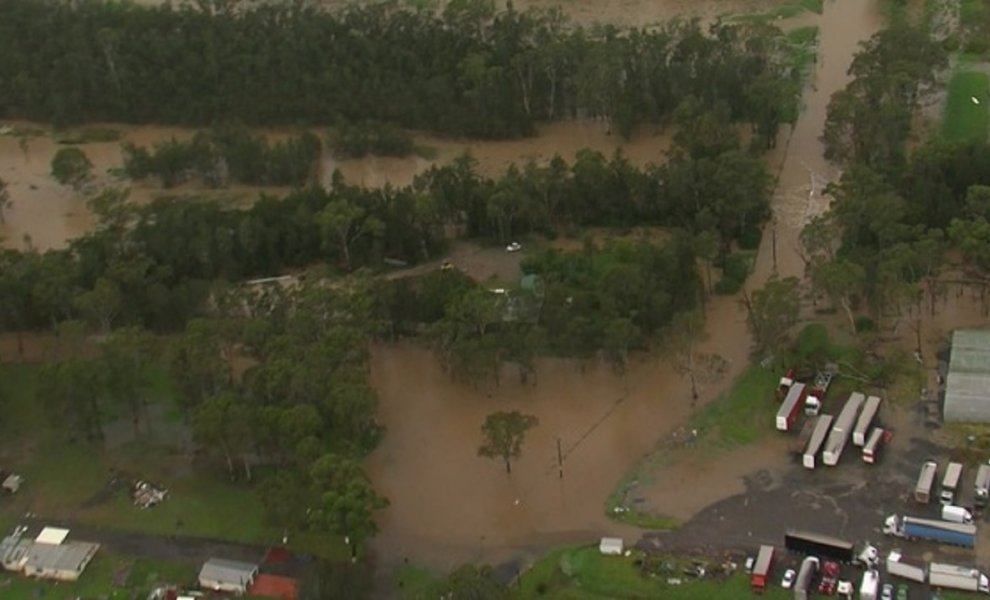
column 824, row 438
column 937, row 574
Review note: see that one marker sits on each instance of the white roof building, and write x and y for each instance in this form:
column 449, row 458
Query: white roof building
column 967, row 386
column 224, row 575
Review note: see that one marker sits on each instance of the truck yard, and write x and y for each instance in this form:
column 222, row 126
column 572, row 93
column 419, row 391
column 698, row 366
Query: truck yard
column 833, row 500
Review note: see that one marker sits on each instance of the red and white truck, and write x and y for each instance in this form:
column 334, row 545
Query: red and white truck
column 762, row 569
column 790, row 408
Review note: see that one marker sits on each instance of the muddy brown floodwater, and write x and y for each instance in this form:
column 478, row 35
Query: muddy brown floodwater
column 449, row 506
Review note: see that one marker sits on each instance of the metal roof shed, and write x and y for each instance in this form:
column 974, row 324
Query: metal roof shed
column 52, row 535
column 967, row 386
column 225, row 575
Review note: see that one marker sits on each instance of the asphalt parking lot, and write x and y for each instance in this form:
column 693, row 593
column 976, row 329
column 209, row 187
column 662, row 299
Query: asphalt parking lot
column 849, row 501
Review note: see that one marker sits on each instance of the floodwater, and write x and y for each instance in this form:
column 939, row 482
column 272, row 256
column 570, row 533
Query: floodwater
column 449, row 506
column 803, row 171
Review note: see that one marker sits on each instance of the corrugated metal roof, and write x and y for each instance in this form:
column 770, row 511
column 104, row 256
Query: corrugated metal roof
column 967, row 385
column 228, row 571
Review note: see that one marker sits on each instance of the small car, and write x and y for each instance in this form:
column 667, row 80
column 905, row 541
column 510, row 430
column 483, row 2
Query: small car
column 902, row 592
column 788, row 579
column 887, row 592
column 513, row 247
column 750, row 561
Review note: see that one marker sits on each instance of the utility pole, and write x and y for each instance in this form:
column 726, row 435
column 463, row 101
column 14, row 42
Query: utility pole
column 560, row 459
column 773, row 242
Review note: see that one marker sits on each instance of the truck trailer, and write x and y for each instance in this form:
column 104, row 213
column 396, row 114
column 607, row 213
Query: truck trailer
column 799, row 443
column 810, row 457
column 981, row 488
column 865, row 421
column 899, row 566
column 841, row 430
column 926, row 479
column 806, row 574
column 957, row 578
column 950, row 483
column 762, row 569
column 790, row 408
column 943, row 532
column 821, row 545
column 874, row 445
column 868, row 588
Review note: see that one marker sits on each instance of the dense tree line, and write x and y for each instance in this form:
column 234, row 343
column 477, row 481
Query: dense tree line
column 904, row 226
column 226, row 154
column 465, row 70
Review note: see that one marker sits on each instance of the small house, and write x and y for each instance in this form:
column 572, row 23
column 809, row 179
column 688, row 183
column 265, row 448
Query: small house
column 224, row 575
column 610, row 546
column 64, row 561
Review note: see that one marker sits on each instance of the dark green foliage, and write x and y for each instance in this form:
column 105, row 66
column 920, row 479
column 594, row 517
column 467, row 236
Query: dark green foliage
column 226, row 153
column 865, row 324
column 466, row 70
column 734, row 274
column 379, row 139
column 71, row 166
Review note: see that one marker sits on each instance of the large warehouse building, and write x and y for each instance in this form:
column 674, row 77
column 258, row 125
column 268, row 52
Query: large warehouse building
column 967, row 385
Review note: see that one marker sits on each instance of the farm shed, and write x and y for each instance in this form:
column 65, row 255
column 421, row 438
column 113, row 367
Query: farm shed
column 63, row 561
column 967, row 385
column 224, row 575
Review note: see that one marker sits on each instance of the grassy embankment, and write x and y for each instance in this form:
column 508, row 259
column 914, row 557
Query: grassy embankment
column 784, row 11
column 582, row 573
column 965, row 119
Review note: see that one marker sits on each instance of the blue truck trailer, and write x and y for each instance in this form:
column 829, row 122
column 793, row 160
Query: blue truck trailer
column 943, row 532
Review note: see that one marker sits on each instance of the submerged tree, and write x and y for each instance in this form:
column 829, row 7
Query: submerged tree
column 503, row 434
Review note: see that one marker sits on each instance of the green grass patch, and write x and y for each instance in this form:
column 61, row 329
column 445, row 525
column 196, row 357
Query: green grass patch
column 804, row 47
column 742, row 415
column 97, row 580
column 416, row 583
column 963, row 119
column 971, row 12
column 584, row 574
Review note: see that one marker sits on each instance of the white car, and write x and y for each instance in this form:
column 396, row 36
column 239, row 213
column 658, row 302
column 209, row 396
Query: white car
column 788, row 579
column 513, row 247
column 888, row 592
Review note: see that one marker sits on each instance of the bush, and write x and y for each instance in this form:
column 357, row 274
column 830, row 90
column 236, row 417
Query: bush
column 750, row 238
column 865, row 324
column 71, row 166
column 379, row 139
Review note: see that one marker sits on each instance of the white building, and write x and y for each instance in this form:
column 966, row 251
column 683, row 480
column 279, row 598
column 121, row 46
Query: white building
column 967, row 385
column 224, row 575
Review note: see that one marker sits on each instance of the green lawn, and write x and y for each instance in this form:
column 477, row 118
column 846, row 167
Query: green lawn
column 970, row 11
column 963, row 118
column 744, row 414
column 97, row 580
column 583, row 573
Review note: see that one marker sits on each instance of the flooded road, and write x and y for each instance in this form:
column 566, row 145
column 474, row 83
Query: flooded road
column 803, row 170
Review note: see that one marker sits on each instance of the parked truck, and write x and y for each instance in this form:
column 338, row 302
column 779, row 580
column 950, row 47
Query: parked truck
column 899, row 566
column 957, row 578
column 943, row 532
column 981, row 489
column 790, row 408
column 806, row 574
column 874, row 445
column 868, row 588
column 811, row 452
column 865, row 421
column 841, row 430
column 956, row 514
column 817, row 544
column 762, row 569
column 799, row 443
column 950, row 483
column 926, row 479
